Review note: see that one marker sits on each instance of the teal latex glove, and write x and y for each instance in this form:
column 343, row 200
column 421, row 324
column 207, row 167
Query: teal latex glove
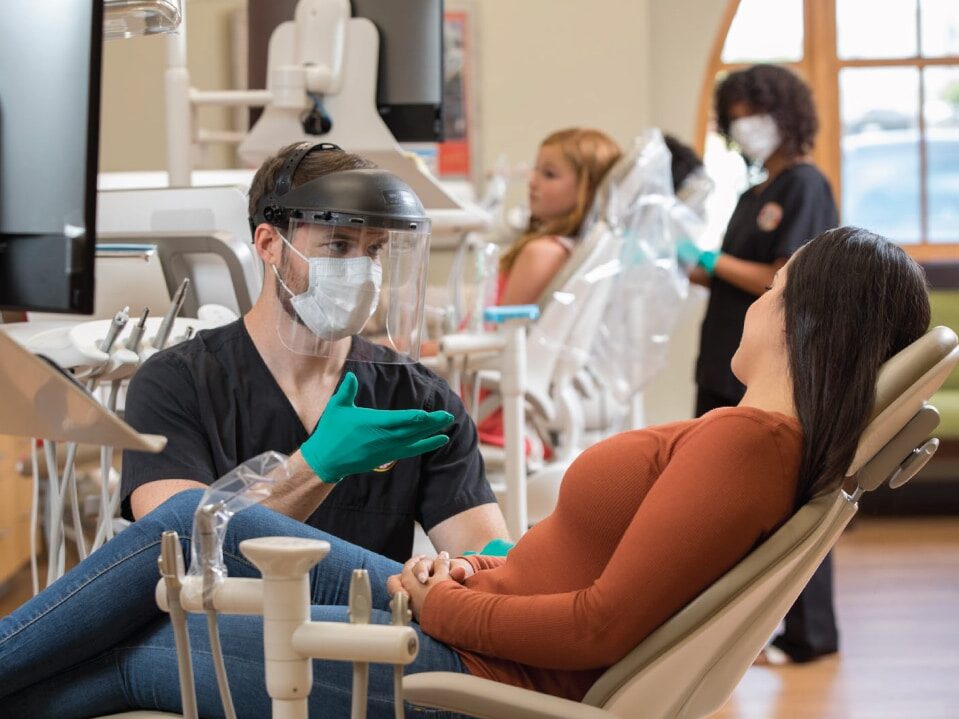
column 690, row 254
column 494, row 548
column 350, row 439
column 707, row 260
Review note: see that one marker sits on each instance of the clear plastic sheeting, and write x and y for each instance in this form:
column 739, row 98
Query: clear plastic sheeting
column 695, row 190
column 474, row 283
column 248, row 484
column 474, row 275
column 646, row 286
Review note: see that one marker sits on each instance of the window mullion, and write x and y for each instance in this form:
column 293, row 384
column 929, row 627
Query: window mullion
column 823, row 76
column 923, row 147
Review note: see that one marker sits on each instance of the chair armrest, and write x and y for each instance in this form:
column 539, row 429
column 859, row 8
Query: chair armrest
column 487, row 699
column 499, row 314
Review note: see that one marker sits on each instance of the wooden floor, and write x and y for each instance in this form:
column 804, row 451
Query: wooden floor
column 898, row 603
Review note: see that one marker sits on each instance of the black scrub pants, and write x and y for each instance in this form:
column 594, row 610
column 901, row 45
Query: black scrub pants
column 810, row 630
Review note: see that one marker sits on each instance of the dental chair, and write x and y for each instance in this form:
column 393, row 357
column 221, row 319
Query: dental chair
column 691, row 664
column 555, row 349
column 633, row 223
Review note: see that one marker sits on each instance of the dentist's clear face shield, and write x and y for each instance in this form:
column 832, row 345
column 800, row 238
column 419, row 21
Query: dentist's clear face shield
column 353, row 265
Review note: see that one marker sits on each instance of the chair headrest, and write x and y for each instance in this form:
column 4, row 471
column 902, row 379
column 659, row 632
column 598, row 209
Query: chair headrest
column 904, row 384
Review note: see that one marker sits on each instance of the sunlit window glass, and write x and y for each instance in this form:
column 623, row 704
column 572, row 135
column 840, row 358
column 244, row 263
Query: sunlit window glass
column 941, row 115
column 875, row 28
column 940, row 27
column 879, row 110
column 765, row 31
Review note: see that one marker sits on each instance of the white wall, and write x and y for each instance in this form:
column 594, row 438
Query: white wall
column 683, row 32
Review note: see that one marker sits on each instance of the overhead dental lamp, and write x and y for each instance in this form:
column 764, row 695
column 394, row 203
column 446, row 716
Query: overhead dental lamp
column 134, row 18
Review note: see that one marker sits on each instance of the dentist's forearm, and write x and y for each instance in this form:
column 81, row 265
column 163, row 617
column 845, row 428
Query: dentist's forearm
column 298, row 491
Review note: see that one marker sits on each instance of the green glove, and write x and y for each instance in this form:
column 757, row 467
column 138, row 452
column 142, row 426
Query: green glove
column 494, row 548
column 690, row 254
column 350, row 439
column 707, row 260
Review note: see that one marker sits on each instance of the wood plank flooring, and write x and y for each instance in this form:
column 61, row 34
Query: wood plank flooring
column 898, row 605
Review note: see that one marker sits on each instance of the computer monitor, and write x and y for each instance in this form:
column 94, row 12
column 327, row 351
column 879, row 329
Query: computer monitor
column 409, row 88
column 50, row 58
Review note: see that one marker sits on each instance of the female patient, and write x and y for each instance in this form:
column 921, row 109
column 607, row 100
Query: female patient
column 668, row 509
column 569, row 167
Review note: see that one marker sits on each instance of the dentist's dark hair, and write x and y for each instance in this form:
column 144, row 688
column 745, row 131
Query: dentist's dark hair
column 852, row 300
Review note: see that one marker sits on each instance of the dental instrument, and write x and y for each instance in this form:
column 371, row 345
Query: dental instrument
column 159, row 341
column 68, row 486
column 171, row 569
column 136, row 334
column 120, row 320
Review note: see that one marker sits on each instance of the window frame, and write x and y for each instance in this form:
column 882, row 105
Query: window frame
column 820, row 66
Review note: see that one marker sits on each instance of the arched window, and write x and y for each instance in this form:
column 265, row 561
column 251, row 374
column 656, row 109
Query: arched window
column 886, row 81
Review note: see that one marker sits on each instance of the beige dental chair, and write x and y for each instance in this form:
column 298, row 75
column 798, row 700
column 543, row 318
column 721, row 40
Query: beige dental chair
column 690, row 665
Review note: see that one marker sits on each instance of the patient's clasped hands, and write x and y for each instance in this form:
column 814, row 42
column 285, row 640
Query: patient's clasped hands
column 350, row 439
column 420, row 575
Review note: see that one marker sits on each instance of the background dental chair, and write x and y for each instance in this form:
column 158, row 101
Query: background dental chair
column 633, row 224
column 690, row 665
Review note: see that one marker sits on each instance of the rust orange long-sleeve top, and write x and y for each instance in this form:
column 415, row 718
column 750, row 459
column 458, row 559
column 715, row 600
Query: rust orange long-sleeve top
column 644, row 522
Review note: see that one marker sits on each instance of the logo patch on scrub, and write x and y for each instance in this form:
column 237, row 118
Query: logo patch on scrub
column 769, row 216
column 386, row 467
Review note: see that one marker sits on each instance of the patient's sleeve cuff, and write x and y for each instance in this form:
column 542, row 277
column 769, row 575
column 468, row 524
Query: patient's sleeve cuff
column 432, row 616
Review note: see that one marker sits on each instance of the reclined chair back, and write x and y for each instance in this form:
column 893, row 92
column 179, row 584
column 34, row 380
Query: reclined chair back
column 550, row 334
column 691, row 664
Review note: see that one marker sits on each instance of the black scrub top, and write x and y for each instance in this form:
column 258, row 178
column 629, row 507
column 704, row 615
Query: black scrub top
column 769, row 223
column 215, row 400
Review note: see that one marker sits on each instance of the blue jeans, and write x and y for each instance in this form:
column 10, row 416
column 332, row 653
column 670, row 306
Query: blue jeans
column 95, row 642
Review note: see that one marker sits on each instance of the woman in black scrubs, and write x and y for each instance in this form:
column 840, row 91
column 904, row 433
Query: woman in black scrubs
column 768, row 112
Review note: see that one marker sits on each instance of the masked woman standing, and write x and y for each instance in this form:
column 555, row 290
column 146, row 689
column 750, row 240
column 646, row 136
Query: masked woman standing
column 768, row 112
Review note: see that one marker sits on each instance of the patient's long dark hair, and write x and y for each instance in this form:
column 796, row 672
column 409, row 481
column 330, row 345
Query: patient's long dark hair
column 852, row 300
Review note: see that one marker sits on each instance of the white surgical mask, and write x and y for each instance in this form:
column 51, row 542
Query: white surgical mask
column 341, row 296
column 757, row 136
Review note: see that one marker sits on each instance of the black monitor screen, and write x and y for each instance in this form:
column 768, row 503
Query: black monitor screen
column 50, row 55
column 409, row 89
